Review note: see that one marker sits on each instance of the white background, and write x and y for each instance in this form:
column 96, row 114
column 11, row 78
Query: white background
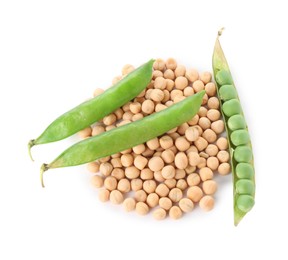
column 53, row 54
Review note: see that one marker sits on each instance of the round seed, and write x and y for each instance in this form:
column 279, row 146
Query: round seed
column 162, row 190
column 129, row 204
column 165, row 203
column 192, row 134
column 227, row 92
column 193, row 158
column 142, row 208
column 213, row 163
column 132, row 172
column 124, row 185
column 236, row 122
column 159, row 214
column 175, row 212
column 223, row 156
column 210, row 89
column 244, row 171
column 93, row 167
column 194, row 193
column 232, row 107
column 224, row 168
column 205, row 174
column 192, row 75
column 193, row 179
column 224, row 77
column 152, row 200
column 240, row 137
column 136, row 184
column 97, row 181
column 140, row 195
column 116, row 197
column 186, row 205
column 181, row 160
column 207, row 203
column 103, row 195
column 243, row 154
column 149, row 186
column 110, row 183
column 156, row 164
column 222, row 143
column 245, row 202
column 209, row 187
column 175, row 194
column 245, row 187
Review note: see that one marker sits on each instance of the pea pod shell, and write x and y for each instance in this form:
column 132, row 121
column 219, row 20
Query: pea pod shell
column 95, row 109
column 234, row 120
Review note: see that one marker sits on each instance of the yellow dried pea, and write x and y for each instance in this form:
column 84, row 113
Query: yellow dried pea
column 186, row 205
column 181, row 160
column 129, row 204
column 152, row 200
column 165, row 203
column 159, row 214
column 124, row 185
column 97, row 181
column 175, row 212
column 103, row 195
column 93, row 167
column 142, row 208
column 140, row 195
column 207, row 203
column 86, row 132
column 116, row 197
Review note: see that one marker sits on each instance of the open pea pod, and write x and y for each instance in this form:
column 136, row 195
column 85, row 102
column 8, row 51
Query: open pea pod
column 237, row 134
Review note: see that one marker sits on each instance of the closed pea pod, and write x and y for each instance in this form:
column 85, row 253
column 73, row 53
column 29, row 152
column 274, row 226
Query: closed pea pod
column 129, row 135
column 95, row 109
column 237, row 134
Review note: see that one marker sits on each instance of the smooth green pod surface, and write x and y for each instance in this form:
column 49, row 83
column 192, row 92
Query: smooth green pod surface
column 232, row 107
column 244, row 171
column 227, row 92
column 236, row 122
column 245, row 187
column 240, row 137
column 243, row 153
column 95, row 109
column 245, row 203
column 129, row 135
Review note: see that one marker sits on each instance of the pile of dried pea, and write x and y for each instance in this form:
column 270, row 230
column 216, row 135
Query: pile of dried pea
column 173, row 172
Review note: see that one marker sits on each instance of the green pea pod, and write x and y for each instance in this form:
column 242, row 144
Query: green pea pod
column 237, row 135
column 95, row 109
column 127, row 136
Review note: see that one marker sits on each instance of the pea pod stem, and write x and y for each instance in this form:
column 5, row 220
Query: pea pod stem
column 129, row 135
column 30, row 145
column 95, row 109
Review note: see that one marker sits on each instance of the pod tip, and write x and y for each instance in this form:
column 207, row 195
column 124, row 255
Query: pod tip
column 220, row 31
column 43, row 169
column 30, row 145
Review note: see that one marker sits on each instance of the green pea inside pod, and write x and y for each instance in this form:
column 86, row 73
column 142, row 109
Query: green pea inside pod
column 227, row 92
column 232, row 107
column 245, row 186
column 240, row 137
column 243, row 153
column 245, row 202
column 244, row 171
column 224, row 77
column 236, row 122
